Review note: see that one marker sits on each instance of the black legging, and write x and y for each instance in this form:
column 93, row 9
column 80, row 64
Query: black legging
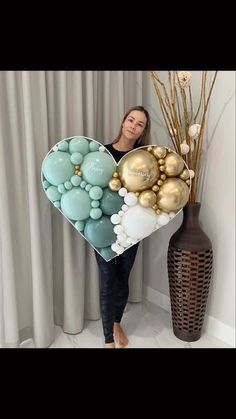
column 114, row 288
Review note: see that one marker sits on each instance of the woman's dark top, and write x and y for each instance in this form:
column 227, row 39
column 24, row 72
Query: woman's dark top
column 116, row 153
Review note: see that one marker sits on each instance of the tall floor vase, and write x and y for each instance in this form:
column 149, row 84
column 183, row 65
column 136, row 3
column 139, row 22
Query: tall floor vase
column 190, row 259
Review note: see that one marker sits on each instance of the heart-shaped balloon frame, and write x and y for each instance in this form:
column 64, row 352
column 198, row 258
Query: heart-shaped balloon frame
column 132, row 219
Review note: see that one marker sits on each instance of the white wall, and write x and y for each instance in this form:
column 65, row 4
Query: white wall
column 217, row 215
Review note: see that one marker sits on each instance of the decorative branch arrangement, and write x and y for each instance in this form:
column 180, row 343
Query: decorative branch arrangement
column 185, row 127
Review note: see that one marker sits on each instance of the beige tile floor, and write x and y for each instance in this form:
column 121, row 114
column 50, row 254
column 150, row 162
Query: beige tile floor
column 147, row 326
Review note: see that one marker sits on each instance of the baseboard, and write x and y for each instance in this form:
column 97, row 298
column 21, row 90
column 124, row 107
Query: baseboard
column 212, row 326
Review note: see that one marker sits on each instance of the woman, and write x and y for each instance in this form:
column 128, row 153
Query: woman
column 134, row 132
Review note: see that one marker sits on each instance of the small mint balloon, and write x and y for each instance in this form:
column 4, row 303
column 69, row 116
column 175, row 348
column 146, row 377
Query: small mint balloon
column 53, row 194
column 79, row 144
column 57, row 168
column 107, row 253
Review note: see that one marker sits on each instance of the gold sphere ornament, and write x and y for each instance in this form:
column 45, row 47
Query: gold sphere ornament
column 138, row 171
column 174, row 164
column 159, row 152
column 114, row 184
column 161, row 162
column 163, row 177
column 77, row 167
column 79, row 173
column 155, row 188
column 115, row 174
column 188, row 182
column 147, row 199
column 173, row 195
column 184, row 175
column 149, row 149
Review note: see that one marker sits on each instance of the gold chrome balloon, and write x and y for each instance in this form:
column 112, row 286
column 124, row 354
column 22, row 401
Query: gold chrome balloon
column 115, row 174
column 159, row 152
column 172, row 195
column 184, row 175
column 174, row 164
column 114, row 184
column 138, row 171
column 147, row 199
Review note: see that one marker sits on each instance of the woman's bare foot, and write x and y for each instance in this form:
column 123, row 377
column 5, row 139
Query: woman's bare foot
column 120, row 337
column 109, row 345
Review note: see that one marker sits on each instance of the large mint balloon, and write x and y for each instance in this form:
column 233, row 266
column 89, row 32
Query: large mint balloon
column 97, row 168
column 57, row 167
column 100, row 232
column 76, row 204
column 111, row 202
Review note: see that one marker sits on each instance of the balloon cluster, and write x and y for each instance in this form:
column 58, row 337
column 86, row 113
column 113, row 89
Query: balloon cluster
column 155, row 183
column 140, row 195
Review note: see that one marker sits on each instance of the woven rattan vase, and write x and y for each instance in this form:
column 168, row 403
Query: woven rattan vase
column 190, row 260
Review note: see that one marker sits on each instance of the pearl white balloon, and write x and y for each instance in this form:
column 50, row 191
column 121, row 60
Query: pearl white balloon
column 163, row 219
column 115, row 219
column 121, row 237
column 171, row 214
column 122, row 191
column 184, row 148
column 131, row 240
column 118, row 229
column 124, row 207
column 121, row 213
column 130, row 199
column 139, row 222
column 191, row 173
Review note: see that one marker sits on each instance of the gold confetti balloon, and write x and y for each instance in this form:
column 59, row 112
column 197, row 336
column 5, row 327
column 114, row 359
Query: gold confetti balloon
column 172, row 195
column 114, row 184
column 174, row 164
column 138, row 171
column 147, row 199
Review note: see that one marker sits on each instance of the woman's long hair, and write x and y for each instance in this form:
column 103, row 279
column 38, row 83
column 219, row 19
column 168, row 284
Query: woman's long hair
column 144, row 139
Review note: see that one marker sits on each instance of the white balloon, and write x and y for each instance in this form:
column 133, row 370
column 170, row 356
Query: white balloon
column 117, row 248
column 139, row 222
column 122, row 191
column 163, row 219
column 124, row 207
column 115, row 219
column 172, row 214
column 121, row 213
column 130, row 199
column 121, row 237
column 194, row 131
column 118, row 229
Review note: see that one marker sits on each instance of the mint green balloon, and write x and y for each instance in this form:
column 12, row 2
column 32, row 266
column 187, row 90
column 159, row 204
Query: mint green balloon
column 76, row 204
column 100, row 232
column 57, row 167
column 93, row 146
column 63, row 145
column 111, row 202
column 107, row 253
column 97, row 168
column 79, row 144
column 53, row 194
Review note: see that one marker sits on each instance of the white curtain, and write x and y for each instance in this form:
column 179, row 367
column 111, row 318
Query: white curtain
column 48, row 272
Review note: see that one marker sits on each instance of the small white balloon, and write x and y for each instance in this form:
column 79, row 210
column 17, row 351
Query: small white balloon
column 118, row 229
column 124, row 207
column 125, row 244
column 122, row 191
column 101, row 148
column 163, row 219
column 131, row 199
column 55, row 148
column 121, row 213
column 115, row 219
column 171, row 214
column 121, row 237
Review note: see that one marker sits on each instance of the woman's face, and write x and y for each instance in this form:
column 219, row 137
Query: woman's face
column 134, row 125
